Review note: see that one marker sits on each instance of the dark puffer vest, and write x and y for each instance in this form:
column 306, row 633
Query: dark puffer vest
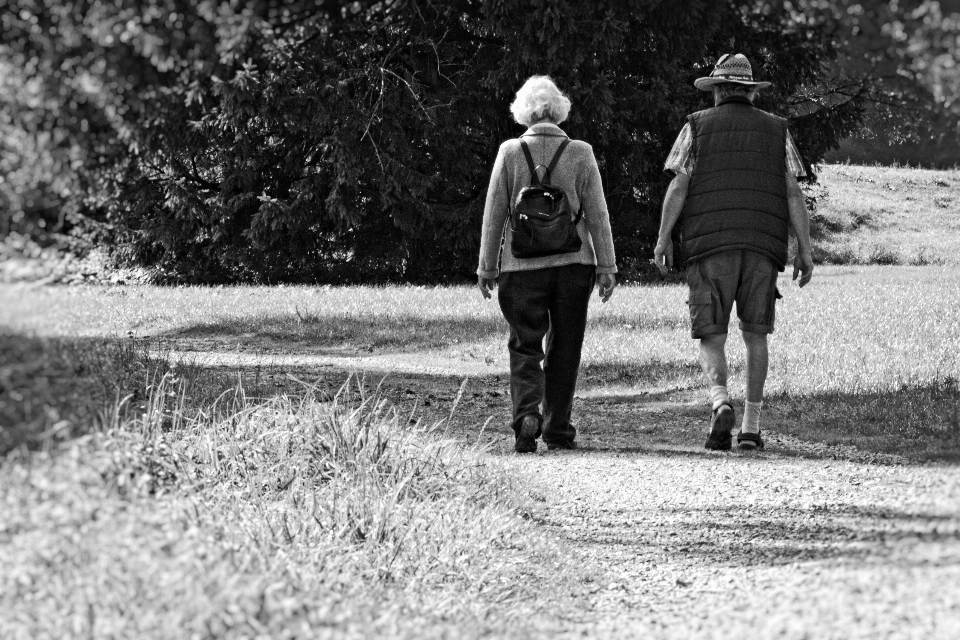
column 737, row 197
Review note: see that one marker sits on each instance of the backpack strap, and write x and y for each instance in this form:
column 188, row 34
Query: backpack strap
column 578, row 217
column 556, row 158
column 553, row 165
column 534, row 178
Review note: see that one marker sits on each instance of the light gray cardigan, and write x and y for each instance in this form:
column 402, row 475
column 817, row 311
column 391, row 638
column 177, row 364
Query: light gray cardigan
column 579, row 177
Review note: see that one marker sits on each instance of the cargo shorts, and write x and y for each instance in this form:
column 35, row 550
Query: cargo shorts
column 717, row 281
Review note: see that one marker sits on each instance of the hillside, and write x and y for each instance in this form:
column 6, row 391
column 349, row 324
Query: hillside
column 886, row 215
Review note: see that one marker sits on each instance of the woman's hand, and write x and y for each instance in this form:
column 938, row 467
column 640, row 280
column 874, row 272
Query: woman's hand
column 486, row 285
column 607, row 282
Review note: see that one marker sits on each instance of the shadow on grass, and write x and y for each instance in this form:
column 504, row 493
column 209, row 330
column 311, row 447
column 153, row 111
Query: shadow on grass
column 338, row 333
column 919, row 420
column 53, row 389
column 382, row 332
column 56, row 389
column 661, row 408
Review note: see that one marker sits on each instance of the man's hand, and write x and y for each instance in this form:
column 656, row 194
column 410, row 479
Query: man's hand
column 608, row 283
column 803, row 266
column 486, row 285
column 663, row 254
column 673, row 203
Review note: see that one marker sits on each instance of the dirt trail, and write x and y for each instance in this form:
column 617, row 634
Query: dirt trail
column 715, row 545
column 804, row 540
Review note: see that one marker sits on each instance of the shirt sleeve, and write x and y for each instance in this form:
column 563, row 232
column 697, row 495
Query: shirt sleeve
column 794, row 163
column 679, row 160
column 598, row 217
column 495, row 213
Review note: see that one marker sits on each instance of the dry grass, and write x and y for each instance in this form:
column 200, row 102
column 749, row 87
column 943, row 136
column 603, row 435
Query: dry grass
column 297, row 517
column 887, row 215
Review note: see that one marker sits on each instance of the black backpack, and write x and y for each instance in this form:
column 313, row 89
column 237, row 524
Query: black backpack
column 541, row 220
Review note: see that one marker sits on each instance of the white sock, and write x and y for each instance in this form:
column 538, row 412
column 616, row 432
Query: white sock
column 718, row 395
column 751, row 417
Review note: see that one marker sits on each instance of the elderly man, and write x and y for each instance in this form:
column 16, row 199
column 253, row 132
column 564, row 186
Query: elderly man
column 735, row 193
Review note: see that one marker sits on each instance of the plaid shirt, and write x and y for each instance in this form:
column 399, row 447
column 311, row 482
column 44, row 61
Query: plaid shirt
column 682, row 161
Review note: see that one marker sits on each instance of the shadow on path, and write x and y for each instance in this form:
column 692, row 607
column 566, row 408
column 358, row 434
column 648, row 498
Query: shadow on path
column 749, row 535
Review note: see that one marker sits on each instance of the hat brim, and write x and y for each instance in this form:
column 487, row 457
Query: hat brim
column 706, row 84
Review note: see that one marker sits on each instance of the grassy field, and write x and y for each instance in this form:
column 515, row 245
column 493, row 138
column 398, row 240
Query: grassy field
column 858, row 336
column 195, row 462
column 887, row 215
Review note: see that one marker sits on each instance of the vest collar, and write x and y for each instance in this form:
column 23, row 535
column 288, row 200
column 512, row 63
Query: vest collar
column 737, row 99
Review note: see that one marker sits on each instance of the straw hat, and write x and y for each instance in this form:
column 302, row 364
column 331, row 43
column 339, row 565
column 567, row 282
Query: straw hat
column 730, row 68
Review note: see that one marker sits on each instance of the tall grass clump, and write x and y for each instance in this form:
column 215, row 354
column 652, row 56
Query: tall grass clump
column 295, row 517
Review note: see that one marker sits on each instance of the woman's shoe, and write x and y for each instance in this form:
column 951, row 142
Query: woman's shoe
column 527, row 435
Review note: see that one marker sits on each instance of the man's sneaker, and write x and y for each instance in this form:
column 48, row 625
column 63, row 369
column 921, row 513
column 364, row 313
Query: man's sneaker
column 749, row 441
column 721, row 424
column 527, row 435
column 569, row 444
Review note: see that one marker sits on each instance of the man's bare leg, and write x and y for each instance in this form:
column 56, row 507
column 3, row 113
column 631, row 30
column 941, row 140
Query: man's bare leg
column 757, row 364
column 713, row 361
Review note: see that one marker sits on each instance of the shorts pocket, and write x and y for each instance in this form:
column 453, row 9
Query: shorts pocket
column 771, row 313
column 700, row 297
column 701, row 310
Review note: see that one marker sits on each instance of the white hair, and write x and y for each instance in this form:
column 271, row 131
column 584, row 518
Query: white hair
column 540, row 99
column 727, row 89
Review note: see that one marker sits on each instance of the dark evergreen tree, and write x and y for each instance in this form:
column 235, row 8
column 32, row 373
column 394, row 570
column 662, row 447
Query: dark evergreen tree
column 346, row 141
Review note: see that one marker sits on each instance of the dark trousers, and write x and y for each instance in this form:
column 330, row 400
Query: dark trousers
column 549, row 302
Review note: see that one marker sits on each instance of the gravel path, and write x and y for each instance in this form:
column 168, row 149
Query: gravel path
column 696, row 544
column 667, row 540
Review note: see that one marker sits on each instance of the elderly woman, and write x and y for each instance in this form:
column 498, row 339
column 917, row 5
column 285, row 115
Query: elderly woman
column 545, row 295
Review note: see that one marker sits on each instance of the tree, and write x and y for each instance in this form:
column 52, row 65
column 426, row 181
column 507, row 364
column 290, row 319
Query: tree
column 306, row 141
column 903, row 54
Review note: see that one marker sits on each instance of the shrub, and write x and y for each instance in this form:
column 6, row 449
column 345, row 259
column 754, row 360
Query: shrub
column 341, row 142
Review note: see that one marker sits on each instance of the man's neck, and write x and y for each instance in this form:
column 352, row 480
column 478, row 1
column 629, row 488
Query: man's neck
column 733, row 98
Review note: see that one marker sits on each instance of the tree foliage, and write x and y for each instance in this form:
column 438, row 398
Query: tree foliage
column 903, row 54
column 218, row 140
